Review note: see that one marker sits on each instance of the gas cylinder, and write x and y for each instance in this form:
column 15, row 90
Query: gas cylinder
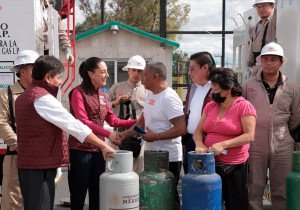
column 293, row 184
column 119, row 185
column 157, row 190
column 201, row 187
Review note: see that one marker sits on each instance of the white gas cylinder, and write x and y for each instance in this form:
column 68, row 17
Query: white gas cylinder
column 119, row 185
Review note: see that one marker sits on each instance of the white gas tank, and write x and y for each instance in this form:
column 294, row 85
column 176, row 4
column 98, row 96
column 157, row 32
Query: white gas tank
column 119, row 185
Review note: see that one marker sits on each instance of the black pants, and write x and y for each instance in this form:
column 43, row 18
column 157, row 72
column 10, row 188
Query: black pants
column 188, row 145
column 175, row 168
column 1, row 169
column 234, row 188
column 37, row 188
column 84, row 174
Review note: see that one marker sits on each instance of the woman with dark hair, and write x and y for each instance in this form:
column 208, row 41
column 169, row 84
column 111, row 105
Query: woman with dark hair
column 89, row 104
column 226, row 128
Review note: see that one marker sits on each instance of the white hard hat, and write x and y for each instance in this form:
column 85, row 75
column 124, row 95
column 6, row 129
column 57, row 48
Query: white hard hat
column 272, row 49
column 263, row 1
column 135, row 62
column 24, row 57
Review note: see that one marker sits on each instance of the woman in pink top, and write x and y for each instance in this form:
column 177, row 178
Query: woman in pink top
column 228, row 125
column 89, row 104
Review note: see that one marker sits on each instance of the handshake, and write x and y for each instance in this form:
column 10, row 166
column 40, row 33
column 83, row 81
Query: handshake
column 117, row 137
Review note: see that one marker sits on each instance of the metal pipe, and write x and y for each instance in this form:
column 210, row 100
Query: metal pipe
column 163, row 18
column 223, row 33
column 102, row 11
column 199, row 32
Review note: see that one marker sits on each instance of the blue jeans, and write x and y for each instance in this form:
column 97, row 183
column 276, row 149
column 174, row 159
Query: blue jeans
column 84, row 174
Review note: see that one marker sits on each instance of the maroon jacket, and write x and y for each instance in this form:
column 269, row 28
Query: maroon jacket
column 97, row 113
column 41, row 145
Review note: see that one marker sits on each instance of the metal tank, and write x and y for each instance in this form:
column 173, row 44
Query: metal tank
column 293, row 184
column 201, row 187
column 157, row 190
column 119, row 185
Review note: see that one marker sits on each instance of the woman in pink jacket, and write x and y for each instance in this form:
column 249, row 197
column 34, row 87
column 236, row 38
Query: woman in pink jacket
column 89, row 104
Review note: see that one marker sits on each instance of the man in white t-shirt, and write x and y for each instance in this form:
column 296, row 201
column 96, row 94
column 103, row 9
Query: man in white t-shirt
column 163, row 118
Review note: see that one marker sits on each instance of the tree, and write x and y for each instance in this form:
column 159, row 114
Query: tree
column 142, row 14
column 181, row 63
column 92, row 12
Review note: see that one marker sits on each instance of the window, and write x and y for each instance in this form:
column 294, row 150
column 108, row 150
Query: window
column 121, row 75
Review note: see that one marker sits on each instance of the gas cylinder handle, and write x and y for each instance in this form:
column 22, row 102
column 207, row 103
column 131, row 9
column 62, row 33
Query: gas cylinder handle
column 197, row 165
column 224, row 152
column 111, row 164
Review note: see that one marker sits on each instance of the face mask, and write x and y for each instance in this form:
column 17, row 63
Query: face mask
column 218, row 98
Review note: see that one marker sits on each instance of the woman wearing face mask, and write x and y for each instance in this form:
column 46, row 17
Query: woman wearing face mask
column 227, row 126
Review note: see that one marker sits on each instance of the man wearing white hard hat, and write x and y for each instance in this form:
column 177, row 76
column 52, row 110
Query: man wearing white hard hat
column 11, row 193
column 276, row 100
column 133, row 90
column 263, row 33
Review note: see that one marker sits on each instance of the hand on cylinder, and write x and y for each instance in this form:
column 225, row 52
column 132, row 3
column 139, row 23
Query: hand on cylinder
column 108, row 153
column 201, row 148
column 217, row 148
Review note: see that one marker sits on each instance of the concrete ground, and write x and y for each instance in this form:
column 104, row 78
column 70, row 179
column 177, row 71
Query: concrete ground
column 62, row 193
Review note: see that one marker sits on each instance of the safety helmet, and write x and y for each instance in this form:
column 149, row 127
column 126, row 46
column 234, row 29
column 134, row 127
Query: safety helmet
column 263, row 1
column 272, row 49
column 135, row 62
column 24, row 57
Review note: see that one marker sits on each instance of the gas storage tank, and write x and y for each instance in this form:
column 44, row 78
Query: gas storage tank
column 157, row 190
column 119, row 185
column 201, row 187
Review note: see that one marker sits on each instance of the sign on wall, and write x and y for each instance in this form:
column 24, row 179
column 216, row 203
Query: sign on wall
column 6, row 76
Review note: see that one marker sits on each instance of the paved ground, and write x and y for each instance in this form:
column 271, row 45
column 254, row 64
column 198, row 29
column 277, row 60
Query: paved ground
column 62, row 192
